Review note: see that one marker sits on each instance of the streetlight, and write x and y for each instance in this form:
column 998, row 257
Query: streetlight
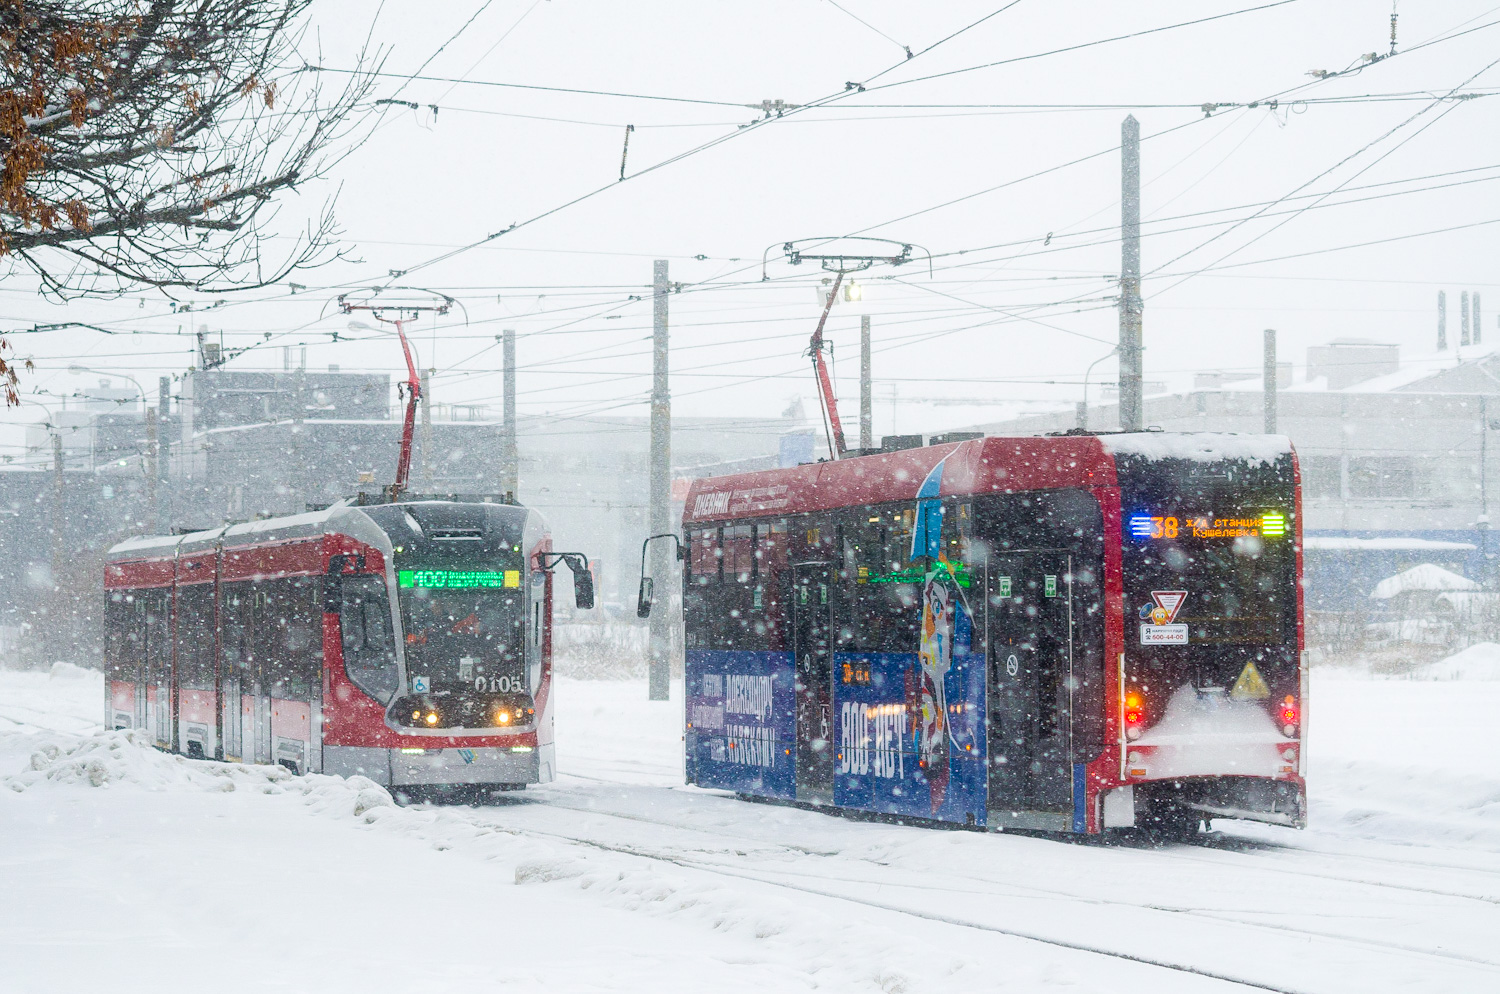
column 76, row 369
column 149, row 414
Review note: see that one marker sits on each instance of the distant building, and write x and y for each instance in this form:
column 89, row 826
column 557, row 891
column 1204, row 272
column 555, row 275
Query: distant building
column 236, row 446
column 1388, row 448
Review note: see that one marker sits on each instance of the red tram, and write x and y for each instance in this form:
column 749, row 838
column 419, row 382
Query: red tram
column 409, row 642
column 1065, row 633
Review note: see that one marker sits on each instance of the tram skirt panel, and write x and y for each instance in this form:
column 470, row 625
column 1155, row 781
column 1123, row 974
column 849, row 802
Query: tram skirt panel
column 742, row 722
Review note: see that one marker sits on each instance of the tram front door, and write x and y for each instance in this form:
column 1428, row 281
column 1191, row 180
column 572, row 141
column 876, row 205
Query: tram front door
column 812, row 648
column 1029, row 665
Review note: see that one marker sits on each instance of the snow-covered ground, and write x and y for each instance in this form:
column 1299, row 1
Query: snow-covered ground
column 128, row 870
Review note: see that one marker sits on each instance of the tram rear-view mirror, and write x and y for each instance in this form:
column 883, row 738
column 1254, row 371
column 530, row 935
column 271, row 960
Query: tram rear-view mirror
column 643, row 602
column 583, row 590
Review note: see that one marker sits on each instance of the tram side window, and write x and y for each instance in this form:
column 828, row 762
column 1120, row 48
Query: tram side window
column 158, row 635
column 290, row 638
column 195, row 636
column 124, row 634
column 885, row 601
column 369, row 645
column 739, row 553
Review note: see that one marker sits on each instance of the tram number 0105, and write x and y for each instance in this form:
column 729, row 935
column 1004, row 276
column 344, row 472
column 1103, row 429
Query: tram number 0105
column 499, row 684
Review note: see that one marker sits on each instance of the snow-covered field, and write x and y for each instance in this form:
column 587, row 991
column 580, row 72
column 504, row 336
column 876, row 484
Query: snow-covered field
column 127, row 870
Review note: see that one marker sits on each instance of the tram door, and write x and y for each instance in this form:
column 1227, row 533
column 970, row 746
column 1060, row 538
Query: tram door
column 1029, row 664
column 232, row 615
column 162, row 678
column 812, row 647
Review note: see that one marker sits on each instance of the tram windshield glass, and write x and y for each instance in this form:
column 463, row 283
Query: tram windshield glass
column 464, row 629
column 1224, row 568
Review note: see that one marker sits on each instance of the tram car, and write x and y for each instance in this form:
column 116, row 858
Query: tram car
column 1070, row 633
column 408, row 642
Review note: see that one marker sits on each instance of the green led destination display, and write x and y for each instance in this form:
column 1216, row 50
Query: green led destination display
column 913, row 574
column 457, row 579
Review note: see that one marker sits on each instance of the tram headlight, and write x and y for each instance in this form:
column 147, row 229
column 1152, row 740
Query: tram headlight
column 432, row 718
column 502, row 717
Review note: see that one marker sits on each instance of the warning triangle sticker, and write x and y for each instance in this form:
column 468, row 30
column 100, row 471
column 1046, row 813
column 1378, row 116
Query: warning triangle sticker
column 1250, row 686
column 1169, row 601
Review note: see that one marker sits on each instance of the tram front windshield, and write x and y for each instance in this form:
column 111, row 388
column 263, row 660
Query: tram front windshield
column 1233, row 561
column 464, row 631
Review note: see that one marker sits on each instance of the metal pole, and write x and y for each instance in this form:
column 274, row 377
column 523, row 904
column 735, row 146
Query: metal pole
column 427, row 483
column 163, row 508
column 660, row 642
column 1442, row 320
column 1475, row 304
column 151, row 460
column 1463, row 318
column 510, row 454
column 1483, row 524
column 1132, row 417
column 1268, row 384
column 866, row 396
column 55, row 599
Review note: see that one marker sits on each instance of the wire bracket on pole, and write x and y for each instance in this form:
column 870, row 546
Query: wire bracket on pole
column 841, row 264
column 397, row 313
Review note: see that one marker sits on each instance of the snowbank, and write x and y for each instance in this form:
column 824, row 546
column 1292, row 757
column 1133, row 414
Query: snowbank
column 127, row 759
column 1477, row 662
column 1423, row 577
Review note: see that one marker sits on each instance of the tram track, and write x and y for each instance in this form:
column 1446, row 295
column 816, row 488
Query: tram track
column 709, row 859
column 1028, row 892
column 1267, row 865
column 84, row 723
column 691, row 865
column 1181, row 852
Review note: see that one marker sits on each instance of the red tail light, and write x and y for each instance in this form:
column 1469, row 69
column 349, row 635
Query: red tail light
column 1289, row 715
column 1135, row 713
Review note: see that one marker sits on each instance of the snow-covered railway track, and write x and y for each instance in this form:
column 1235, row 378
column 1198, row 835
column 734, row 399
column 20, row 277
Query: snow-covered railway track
column 1065, row 903
column 682, row 862
column 1485, row 889
column 45, row 720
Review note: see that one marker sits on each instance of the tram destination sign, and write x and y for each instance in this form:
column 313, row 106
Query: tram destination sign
column 1271, row 524
column 457, row 579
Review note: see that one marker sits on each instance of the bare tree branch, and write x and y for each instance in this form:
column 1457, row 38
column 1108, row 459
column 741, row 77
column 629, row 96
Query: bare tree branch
column 145, row 142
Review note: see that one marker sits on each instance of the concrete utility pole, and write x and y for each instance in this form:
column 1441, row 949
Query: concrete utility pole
column 59, row 493
column 163, row 509
column 151, row 505
column 1463, row 318
column 1268, row 384
column 1475, row 303
column 659, row 646
column 1442, row 320
column 1132, row 417
column 866, row 398
column 509, row 453
column 427, row 429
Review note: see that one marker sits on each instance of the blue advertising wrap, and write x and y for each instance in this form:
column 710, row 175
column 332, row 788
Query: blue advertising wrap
column 909, row 727
column 741, row 721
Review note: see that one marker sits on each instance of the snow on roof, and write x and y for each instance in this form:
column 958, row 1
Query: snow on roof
column 1332, row 543
column 1423, row 577
column 1200, row 446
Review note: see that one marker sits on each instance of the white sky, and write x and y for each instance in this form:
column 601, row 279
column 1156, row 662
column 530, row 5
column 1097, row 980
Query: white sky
column 493, row 156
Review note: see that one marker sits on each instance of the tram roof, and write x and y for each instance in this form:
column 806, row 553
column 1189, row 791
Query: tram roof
column 983, row 465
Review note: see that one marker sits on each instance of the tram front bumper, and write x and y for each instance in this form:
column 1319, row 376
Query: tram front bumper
column 433, row 767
